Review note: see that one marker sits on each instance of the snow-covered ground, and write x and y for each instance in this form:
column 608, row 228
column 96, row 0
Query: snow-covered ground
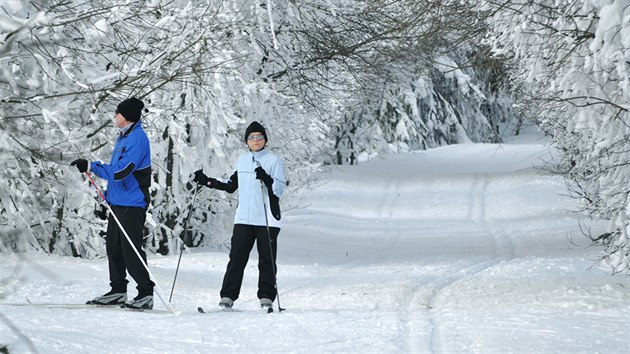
column 459, row 249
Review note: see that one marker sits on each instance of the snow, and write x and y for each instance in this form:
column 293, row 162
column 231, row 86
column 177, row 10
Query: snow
column 464, row 248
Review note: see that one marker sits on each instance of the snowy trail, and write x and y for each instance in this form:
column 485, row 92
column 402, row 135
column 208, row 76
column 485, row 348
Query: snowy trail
column 458, row 249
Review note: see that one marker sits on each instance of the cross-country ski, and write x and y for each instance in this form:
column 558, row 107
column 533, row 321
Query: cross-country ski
column 70, row 306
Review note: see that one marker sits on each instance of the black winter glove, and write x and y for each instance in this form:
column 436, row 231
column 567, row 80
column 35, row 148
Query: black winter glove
column 201, row 178
column 101, row 212
column 82, row 164
column 262, row 175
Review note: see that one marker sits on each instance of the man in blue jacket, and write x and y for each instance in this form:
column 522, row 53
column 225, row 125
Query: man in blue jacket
column 128, row 178
column 251, row 224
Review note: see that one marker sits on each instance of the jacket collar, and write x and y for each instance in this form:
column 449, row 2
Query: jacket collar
column 127, row 130
column 258, row 154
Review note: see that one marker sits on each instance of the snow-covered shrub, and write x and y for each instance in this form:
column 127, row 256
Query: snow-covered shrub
column 575, row 58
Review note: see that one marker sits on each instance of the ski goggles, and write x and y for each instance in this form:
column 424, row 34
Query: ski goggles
column 255, row 137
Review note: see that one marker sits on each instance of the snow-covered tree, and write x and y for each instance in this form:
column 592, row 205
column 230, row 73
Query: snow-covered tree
column 408, row 74
column 332, row 81
column 65, row 65
column 575, row 58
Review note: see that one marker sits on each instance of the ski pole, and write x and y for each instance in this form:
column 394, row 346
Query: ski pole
column 273, row 261
column 157, row 286
column 183, row 246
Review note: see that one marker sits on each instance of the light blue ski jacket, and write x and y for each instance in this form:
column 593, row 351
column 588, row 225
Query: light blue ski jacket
column 250, row 210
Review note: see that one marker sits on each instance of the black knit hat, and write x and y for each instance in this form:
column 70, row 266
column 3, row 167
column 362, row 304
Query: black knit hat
column 131, row 109
column 255, row 127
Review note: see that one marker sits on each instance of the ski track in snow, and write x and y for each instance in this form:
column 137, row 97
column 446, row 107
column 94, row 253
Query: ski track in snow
column 502, row 247
column 459, row 249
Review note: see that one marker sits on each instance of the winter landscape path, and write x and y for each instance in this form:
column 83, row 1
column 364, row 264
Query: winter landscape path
column 459, row 249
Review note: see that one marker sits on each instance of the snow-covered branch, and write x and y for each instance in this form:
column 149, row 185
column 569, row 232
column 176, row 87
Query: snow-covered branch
column 575, row 58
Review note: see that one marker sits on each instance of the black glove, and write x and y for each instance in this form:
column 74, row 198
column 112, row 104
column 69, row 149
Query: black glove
column 101, row 212
column 82, row 164
column 262, row 175
column 201, row 178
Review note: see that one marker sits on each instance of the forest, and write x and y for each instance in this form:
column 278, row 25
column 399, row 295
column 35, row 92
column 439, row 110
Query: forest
column 335, row 82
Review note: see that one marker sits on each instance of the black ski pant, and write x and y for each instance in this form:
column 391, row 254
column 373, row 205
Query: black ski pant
column 243, row 238
column 121, row 256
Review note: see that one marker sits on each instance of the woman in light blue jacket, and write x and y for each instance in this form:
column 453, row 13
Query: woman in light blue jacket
column 256, row 218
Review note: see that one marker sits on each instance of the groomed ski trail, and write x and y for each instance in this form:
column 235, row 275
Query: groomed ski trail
column 458, row 249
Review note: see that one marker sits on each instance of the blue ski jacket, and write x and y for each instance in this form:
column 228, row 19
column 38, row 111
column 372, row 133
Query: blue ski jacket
column 250, row 209
column 128, row 173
